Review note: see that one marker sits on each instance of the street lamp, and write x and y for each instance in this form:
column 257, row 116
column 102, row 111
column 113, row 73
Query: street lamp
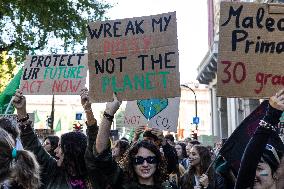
column 195, row 101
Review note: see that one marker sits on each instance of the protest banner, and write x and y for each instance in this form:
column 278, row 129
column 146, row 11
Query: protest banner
column 154, row 113
column 251, row 46
column 54, row 74
column 13, row 118
column 137, row 58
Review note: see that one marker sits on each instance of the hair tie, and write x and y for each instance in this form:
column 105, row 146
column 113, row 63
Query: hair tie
column 19, row 145
column 14, row 153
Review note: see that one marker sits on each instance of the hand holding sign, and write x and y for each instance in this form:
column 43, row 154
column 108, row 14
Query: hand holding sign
column 112, row 107
column 19, row 101
column 277, row 101
column 85, row 100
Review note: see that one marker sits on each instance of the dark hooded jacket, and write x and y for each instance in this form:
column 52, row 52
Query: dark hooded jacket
column 52, row 177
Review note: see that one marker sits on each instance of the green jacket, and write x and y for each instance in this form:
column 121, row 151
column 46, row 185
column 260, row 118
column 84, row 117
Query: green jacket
column 52, row 176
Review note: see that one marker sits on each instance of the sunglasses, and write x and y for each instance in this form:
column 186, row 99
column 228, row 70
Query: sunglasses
column 139, row 160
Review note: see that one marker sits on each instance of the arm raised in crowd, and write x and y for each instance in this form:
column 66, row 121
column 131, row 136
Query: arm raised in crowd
column 85, row 101
column 92, row 127
column 257, row 144
column 104, row 130
column 29, row 138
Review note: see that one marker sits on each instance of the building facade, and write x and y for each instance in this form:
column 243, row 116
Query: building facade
column 188, row 110
column 227, row 113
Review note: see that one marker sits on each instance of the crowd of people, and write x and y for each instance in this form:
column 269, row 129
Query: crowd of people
column 149, row 161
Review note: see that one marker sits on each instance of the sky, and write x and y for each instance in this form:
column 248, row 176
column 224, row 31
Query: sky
column 192, row 26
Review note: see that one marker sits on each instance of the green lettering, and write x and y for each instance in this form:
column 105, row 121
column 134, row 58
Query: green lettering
column 164, row 78
column 71, row 72
column 65, row 72
column 148, row 82
column 114, row 87
column 55, row 72
column 46, row 71
column 127, row 83
column 60, row 72
column 79, row 70
column 105, row 83
column 139, row 81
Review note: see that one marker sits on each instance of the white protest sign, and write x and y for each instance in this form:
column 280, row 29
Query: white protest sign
column 54, row 74
column 155, row 113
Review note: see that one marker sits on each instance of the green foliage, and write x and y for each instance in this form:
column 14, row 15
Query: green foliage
column 7, row 67
column 29, row 25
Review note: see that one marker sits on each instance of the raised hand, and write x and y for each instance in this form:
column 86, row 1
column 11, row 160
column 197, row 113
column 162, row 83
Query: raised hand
column 277, row 101
column 19, row 101
column 112, row 107
column 157, row 132
column 85, row 100
column 139, row 130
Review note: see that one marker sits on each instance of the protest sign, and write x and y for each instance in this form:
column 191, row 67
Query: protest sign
column 154, row 113
column 13, row 118
column 54, row 74
column 251, row 46
column 137, row 58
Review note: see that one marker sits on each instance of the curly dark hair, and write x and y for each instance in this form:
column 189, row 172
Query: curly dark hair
column 205, row 160
column 128, row 166
column 73, row 146
column 122, row 145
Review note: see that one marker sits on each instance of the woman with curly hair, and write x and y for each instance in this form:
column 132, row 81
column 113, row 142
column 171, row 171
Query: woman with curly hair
column 69, row 171
column 118, row 149
column 142, row 167
column 196, row 177
column 19, row 166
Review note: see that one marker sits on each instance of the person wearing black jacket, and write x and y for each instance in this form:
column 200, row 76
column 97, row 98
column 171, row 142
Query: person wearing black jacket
column 260, row 159
column 70, row 170
column 143, row 166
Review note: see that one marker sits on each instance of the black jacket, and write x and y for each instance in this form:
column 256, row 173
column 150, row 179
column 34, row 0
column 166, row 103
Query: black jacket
column 52, row 176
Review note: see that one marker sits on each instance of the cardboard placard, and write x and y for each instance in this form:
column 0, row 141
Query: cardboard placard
column 154, row 113
column 54, row 74
column 135, row 57
column 13, row 118
column 251, row 48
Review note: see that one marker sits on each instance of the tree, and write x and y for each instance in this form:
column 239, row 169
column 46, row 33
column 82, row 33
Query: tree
column 26, row 26
column 7, row 67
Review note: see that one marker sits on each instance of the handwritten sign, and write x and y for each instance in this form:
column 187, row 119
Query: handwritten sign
column 136, row 58
column 156, row 113
column 54, row 74
column 251, row 48
column 13, row 118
